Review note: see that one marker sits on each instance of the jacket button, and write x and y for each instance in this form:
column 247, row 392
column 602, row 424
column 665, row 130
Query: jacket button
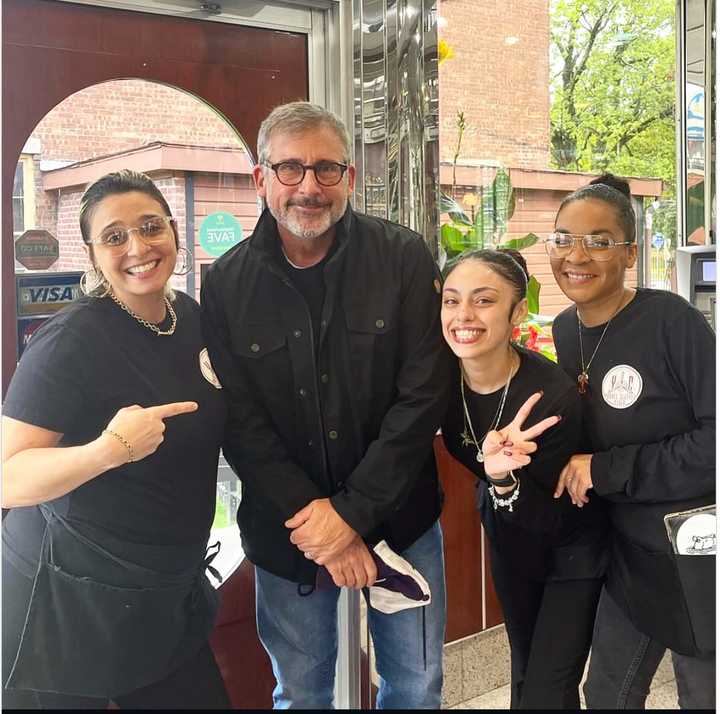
column 324, row 378
column 310, row 443
column 302, row 391
column 255, row 347
column 333, row 434
column 323, row 323
column 379, row 323
column 298, row 333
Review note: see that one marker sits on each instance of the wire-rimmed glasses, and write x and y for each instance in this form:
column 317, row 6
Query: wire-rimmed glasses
column 597, row 246
column 153, row 231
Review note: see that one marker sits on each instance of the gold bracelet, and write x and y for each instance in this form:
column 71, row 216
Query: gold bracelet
column 124, row 442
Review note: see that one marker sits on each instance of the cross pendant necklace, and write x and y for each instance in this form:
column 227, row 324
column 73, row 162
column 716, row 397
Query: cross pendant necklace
column 583, row 381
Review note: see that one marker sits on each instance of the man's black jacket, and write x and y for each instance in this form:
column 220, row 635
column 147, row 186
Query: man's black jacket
column 348, row 414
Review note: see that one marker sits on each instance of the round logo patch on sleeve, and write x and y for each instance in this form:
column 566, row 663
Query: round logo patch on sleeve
column 622, row 386
column 207, row 369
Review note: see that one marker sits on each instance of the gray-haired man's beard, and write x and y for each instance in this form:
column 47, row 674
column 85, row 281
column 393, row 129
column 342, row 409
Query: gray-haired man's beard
column 305, row 229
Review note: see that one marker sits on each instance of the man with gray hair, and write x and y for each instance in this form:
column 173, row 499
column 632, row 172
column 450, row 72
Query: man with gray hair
column 323, row 328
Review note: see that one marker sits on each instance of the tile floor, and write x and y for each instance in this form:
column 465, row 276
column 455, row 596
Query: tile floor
column 477, row 668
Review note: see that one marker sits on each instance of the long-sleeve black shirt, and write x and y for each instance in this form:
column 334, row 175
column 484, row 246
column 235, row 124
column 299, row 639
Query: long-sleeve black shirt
column 649, row 421
column 543, row 536
column 650, row 412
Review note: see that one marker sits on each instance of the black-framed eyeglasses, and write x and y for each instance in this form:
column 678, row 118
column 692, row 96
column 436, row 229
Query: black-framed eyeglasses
column 292, row 173
column 153, row 231
column 597, row 246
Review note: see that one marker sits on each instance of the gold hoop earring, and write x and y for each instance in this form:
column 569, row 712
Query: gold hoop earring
column 183, row 262
column 91, row 281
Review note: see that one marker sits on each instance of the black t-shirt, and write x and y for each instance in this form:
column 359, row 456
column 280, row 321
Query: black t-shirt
column 77, row 371
column 542, row 537
column 310, row 282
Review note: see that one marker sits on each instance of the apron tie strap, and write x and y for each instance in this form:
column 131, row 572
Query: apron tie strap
column 209, row 557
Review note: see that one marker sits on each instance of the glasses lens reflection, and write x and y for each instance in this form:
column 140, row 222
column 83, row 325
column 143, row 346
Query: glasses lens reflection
column 153, row 232
column 597, row 247
column 291, row 173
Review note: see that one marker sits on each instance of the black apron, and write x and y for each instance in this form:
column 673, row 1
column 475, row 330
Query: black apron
column 669, row 597
column 99, row 625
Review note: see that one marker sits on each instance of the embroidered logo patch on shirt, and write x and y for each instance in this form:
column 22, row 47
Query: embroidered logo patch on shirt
column 622, row 386
column 207, row 369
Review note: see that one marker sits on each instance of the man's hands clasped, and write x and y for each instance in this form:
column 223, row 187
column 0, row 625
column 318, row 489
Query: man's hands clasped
column 324, row 537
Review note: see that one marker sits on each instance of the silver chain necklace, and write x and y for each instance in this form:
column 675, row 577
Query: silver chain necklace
column 470, row 439
column 146, row 323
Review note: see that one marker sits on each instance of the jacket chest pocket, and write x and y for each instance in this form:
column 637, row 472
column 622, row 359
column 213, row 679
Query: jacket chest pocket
column 370, row 328
column 256, row 342
column 373, row 347
column 262, row 349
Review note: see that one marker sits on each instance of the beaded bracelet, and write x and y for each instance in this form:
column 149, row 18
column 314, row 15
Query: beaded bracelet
column 124, row 442
column 505, row 502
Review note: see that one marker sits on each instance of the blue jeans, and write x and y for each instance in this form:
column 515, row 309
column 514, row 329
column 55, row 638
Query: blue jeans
column 623, row 663
column 300, row 635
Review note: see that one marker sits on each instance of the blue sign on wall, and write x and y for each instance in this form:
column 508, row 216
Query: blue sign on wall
column 40, row 295
column 219, row 232
column 45, row 293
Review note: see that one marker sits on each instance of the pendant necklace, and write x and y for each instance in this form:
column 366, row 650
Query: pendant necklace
column 469, row 439
column 583, row 379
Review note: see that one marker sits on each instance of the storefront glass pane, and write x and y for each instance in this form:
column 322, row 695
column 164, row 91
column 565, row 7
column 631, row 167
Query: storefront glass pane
column 536, row 99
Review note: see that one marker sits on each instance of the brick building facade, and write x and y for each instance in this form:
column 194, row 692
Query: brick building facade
column 116, row 124
column 499, row 78
column 123, row 114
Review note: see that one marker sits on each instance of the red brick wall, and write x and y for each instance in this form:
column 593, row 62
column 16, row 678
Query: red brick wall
column 123, row 114
column 45, row 202
column 67, row 231
column 216, row 192
column 503, row 89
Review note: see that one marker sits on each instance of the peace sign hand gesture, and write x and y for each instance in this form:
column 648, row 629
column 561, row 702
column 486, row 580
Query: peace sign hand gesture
column 508, row 448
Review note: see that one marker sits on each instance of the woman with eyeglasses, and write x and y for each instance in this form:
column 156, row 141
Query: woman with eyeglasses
column 111, row 432
column 644, row 363
column 547, row 557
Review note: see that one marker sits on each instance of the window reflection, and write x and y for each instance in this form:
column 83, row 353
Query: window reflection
column 695, row 122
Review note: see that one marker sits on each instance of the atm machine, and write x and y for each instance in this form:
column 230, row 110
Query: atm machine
column 696, row 277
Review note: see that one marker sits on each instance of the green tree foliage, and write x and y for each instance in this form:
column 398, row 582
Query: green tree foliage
column 613, row 87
